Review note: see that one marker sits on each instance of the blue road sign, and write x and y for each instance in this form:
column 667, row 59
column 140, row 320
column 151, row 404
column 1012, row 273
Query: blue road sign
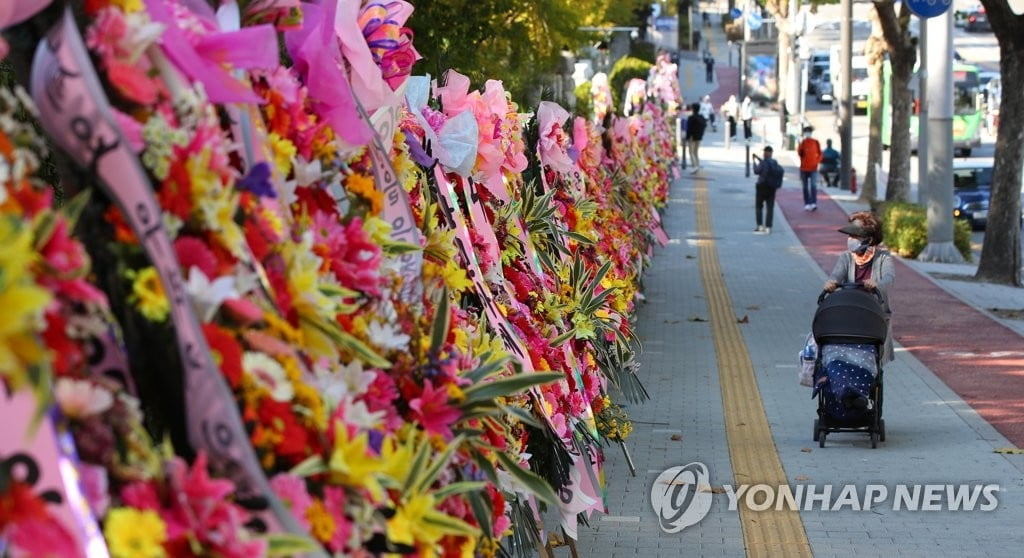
column 929, row 8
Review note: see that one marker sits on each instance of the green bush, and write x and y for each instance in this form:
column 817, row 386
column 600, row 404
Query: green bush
column 584, row 101
column 905, row 226
column 625, row 69
column 644, row 51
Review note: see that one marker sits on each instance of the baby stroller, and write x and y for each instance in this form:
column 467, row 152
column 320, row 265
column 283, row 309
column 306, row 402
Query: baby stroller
column 850, row 329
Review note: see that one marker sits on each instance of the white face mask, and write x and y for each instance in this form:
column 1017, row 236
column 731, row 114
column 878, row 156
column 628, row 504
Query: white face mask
column 807, row 135
column 854, row 244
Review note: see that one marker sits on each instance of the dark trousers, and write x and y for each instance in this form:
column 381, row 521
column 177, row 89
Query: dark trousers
column 808, row 182
column 747, row 129
column 765, row 200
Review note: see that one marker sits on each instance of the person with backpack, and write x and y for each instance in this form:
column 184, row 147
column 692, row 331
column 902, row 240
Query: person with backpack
column 769, row 179
column 810, row 157
column 695, row 126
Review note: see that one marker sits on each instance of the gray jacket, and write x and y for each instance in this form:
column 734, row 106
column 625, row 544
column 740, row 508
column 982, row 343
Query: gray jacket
column 883, row 273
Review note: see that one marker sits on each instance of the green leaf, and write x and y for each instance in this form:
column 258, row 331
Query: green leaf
column 522, row 415
column 349, row 343
column 450, row 524
column 459, row 488
column 419, row 461
column 488, row 368
column 430, row 475
column 312, row 465
column 481, row 511
column 442, row 320
column 529, row 480
column 397, row 248
column 510, row 385
column 485, row 466
column 73, row 209
column 286, row 544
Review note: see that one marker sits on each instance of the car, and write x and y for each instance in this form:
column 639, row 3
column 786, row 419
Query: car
column 977, row 21
column 825, row 94
column 972, row 189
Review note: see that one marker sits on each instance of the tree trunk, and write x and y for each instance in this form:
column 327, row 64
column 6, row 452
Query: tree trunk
column 874, row 52
column 1000, row 253
column 902, row 57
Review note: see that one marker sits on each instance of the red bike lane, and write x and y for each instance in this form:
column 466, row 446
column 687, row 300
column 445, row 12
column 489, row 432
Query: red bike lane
column 976, row 356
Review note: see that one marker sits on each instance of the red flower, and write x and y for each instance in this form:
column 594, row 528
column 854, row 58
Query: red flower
column 122, row 231
column 175, row 193
column 227, row 352
column 67, row 354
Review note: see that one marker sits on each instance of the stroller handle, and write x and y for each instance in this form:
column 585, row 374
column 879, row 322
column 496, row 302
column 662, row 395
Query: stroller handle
column 844, row 286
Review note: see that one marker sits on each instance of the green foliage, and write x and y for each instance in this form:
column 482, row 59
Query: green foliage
column 905, row 227
column 515, row 41
column 643, row 50
column 584, row 100
column 625, row 69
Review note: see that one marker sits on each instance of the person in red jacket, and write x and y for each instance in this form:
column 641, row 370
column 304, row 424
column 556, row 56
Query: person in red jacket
column 810, row 157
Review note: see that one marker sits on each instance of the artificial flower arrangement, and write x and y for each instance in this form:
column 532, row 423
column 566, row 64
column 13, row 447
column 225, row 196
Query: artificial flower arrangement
column 381, row 422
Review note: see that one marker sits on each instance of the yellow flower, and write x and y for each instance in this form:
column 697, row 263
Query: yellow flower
column 22, row 301
column 128, row 6
column 148, row 294
column 351, row 462
column 321, row 523
column 363, row 186
column 455, row 277
column 407, row 526
column 284, row 152
column 132, row 533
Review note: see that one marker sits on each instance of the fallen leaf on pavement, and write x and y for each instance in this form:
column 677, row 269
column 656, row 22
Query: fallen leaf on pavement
column 802, row 477
column 806, row 450
column 696, row 319
column 677, row 437
column 744, row 320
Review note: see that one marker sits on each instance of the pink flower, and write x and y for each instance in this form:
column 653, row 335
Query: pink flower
column 553, row 140
column 193, row 252
column 292, row 490
column 132, row 82
column 334, row 502
column 353, row 257
column 37, row 537
column 432, row 411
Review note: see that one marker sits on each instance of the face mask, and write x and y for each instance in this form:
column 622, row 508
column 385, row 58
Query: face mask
column 855, row 245
column 807, row 135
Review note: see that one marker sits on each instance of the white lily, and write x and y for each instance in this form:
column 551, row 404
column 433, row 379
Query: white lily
column 207, row 296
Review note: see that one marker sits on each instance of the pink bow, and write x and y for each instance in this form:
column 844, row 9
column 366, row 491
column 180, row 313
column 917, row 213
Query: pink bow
column 202, row 58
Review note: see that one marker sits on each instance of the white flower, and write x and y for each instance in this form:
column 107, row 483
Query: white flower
column 81, row 399
column 206, row 296
column 269, row 374
column 387, row 336
column 334, row 385
column 356, row 413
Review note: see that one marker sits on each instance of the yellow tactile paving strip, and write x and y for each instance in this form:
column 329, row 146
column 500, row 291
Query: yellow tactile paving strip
column 751, row 447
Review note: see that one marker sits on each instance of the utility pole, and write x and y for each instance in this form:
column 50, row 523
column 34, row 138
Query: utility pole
column 845, row 94
column 922, row 115
column 940, row 247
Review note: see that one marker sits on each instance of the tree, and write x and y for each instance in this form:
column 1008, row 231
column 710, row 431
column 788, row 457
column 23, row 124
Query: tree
column 780, row 11
column 1000, row 254
column 516, row 41
column 874, row 53
column 902, row 47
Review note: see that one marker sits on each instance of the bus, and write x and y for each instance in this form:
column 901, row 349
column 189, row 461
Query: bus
column 968, row 109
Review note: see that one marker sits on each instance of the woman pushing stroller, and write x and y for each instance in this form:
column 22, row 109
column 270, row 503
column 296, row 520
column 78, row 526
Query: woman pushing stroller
column 866, row 263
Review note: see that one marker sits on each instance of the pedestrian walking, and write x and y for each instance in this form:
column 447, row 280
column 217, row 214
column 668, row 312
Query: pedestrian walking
column 866, row 263
column 709, row 68
column 695, row 126
column 747, row 116
column 730, row 111
column 707, row 110
column 809, row 151
column 769, row 179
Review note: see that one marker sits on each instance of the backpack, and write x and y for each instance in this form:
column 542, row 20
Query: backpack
column 772, row 173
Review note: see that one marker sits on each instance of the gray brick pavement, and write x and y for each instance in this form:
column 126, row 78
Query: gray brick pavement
column 932, row 435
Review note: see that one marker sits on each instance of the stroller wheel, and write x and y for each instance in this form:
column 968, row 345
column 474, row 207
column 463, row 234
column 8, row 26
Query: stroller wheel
column 817, row 432
column 874, row 439
column 821, row 437
column 881, row 430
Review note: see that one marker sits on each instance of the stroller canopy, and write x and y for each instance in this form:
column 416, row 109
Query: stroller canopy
column 849, row 316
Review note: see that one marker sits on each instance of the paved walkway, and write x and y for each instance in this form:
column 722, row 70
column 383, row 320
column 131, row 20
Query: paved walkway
column 950, row 402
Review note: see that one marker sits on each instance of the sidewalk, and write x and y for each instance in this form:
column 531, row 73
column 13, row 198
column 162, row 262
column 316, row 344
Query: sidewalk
column 935, row 433
column 934, row 436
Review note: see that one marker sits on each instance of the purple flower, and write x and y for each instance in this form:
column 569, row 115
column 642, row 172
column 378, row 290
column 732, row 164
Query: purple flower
column 258, row 181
